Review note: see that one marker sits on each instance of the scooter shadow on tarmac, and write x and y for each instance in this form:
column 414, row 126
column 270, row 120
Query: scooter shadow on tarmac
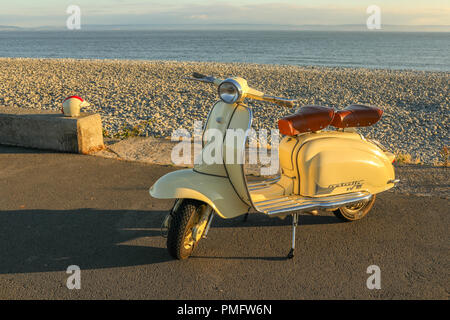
column 261, row 220
column 39, row 240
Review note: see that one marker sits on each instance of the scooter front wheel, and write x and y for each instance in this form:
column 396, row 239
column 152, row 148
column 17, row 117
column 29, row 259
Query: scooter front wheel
column 355, row 211
column 187, row 224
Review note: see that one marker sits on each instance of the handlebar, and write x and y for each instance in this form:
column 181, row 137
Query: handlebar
column 249, row 92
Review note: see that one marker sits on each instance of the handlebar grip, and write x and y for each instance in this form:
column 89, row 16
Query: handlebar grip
column 258, row 95
column 285, row 103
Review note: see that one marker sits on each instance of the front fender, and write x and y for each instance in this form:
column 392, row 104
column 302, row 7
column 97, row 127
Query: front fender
column 214, row 190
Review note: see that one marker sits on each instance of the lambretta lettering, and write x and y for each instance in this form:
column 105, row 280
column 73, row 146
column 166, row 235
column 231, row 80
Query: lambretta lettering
column 349, row 185
column 202, row 311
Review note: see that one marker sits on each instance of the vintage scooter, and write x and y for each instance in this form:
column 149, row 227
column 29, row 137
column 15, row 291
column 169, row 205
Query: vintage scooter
column 335, row 170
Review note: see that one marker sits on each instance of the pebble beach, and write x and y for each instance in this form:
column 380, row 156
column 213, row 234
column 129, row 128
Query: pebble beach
column 153, row 97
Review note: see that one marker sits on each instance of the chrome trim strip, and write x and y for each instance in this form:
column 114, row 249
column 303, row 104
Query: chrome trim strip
column 318, row 206
column 271, row 200
column 259, row 188
column 281, row 206
column 277, row 201
column 264, row 182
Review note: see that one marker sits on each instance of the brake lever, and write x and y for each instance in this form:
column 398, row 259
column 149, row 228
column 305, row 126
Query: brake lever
column 199, row 75
column 201, row 78
column 207, row 80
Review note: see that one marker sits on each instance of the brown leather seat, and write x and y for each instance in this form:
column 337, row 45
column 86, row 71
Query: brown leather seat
column 310, row 118
column 356, row 115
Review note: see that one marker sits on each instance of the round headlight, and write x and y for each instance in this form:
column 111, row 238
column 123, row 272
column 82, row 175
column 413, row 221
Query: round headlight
column 230, row 91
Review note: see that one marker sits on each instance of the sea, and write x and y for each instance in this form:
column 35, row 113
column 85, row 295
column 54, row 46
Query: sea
column 427, row 51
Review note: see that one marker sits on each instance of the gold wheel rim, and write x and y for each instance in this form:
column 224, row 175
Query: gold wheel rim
column 189, row 242
column 356, row 206
column 354, row 211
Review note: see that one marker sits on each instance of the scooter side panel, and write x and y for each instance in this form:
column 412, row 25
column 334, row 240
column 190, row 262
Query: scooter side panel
column 289, row 151
column 337, row 165
column 213, row 190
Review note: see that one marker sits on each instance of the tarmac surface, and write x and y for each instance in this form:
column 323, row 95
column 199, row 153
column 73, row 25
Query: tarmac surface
column 58, row 210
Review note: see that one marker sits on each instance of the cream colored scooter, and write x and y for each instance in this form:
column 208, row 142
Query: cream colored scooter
column 335, row 170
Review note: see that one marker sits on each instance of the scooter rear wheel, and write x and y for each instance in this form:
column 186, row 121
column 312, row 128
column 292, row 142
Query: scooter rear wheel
column 180, row 241
column 355, row 211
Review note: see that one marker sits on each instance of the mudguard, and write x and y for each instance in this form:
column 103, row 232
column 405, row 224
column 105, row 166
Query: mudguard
column 214, row 190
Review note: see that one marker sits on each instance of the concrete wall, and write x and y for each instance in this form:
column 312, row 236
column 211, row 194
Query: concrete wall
column 51, row 130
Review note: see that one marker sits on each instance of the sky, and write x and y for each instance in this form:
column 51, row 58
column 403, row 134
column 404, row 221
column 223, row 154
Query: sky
column 28, row 13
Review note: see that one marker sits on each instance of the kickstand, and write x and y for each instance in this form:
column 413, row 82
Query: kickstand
column 294, row 226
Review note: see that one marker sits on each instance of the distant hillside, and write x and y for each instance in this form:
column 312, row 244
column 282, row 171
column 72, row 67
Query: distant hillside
column 9, row 28
column 390, row 28
column 349, row 27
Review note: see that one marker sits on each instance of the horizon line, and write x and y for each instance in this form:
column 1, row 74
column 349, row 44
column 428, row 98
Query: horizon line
column 237, row 24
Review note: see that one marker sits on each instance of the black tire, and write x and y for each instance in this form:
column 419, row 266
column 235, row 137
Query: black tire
column 356, row 211
column 181, row 223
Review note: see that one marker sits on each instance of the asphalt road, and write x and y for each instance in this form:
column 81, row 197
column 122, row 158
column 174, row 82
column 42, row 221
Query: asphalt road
column 58, row 210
